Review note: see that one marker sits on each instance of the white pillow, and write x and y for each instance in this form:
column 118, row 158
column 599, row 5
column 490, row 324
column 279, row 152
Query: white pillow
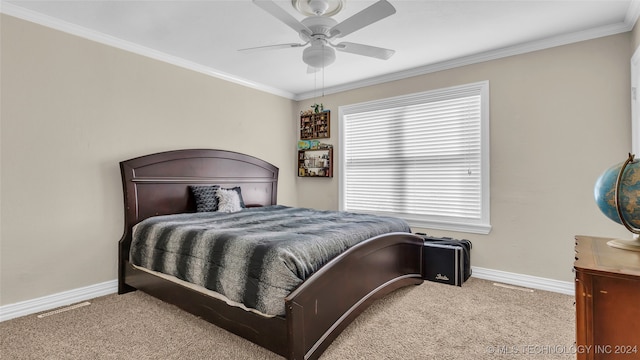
column 228, row 201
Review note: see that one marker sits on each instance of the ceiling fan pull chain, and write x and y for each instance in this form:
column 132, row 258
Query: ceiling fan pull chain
column 324, row 46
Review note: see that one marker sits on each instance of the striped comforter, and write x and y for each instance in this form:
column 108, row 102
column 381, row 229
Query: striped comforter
column 256, row 256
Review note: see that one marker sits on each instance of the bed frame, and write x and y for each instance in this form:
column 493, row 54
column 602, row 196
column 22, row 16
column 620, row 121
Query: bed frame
column 317, row 311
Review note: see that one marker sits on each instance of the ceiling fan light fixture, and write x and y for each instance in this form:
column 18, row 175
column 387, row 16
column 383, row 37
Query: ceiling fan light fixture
column 318, row 7
column 319, row 56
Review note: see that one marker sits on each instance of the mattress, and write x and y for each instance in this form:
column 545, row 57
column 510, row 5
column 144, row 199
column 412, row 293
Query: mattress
column 255, row 257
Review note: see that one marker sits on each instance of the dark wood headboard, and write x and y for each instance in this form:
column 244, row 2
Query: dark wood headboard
column 158, row 184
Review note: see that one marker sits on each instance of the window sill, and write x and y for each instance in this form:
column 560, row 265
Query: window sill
column 450, row 226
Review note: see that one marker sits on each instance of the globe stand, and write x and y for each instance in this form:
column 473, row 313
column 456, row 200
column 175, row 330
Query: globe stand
column 633, row 245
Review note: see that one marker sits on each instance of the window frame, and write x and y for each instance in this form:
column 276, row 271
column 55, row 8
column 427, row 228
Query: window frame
column 479, row 226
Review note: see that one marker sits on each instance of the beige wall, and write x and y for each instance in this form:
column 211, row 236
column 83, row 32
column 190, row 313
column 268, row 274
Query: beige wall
column 559, row 117
column 71, row 110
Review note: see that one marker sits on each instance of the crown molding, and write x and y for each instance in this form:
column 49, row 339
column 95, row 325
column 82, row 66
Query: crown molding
column 633, row 12
column 631, row 17
column 73, row 29
column 519, row 49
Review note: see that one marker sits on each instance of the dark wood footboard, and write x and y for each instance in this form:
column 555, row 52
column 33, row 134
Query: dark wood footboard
column 322, row 307
column 318, row 310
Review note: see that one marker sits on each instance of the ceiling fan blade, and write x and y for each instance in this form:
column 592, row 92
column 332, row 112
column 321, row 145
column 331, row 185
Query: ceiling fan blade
column 272, row 47
column 279, row 13
column 368, row 16
column 366, row 50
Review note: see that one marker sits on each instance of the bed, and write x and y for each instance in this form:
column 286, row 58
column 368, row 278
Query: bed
column 316, row 311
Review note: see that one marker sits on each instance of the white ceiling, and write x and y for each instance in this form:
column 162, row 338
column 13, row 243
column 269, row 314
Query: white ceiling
column 428, row 35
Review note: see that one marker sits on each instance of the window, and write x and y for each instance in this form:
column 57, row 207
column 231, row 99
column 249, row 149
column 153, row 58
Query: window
column 422, row 157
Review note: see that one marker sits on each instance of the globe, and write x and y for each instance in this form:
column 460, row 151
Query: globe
column 626, row 210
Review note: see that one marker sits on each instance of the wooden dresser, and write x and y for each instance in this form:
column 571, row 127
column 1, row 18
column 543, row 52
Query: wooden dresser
column 607, row 300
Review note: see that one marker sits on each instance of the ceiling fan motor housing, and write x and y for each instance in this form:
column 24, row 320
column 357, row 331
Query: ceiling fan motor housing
column 320, row 27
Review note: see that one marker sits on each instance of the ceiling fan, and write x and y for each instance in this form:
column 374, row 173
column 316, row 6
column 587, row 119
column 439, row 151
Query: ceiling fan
column 318, row 29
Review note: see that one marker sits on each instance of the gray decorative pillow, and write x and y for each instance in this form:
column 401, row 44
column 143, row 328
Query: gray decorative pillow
column 205, row 196
column 228, row 200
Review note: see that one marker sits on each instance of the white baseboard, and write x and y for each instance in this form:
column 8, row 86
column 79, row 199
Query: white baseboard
column 64, row 298
column 528, row 281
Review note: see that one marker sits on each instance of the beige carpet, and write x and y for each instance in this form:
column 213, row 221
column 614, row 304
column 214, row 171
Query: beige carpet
column 430, row 321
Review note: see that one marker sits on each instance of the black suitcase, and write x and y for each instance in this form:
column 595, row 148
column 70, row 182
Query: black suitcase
column 446, row 260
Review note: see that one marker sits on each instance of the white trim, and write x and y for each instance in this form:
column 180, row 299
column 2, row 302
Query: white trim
column 630, row 19
column 28, row 307
column 472, row 228
column 53, row 301
column 528, row 281
column 633, row 12
column 73, row 29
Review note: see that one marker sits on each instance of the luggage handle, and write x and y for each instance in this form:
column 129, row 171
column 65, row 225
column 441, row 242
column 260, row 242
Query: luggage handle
column 444, row 238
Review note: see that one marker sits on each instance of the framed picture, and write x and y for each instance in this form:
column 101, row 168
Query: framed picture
column 315, row 163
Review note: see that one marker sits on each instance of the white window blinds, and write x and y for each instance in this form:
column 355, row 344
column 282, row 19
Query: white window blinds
column 423, row 157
